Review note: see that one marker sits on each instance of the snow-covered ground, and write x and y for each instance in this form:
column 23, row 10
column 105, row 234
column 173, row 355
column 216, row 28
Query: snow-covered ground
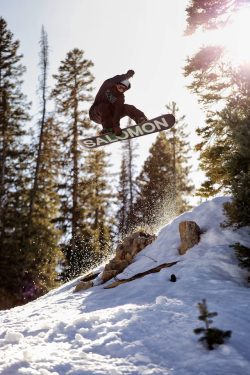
column 144, row 326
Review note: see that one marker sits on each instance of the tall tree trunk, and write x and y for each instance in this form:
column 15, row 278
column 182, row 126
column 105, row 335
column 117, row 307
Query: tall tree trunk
column 130, row 176
column 174, row 163
column 4, row 152
column 43, row 87
column 75, row 177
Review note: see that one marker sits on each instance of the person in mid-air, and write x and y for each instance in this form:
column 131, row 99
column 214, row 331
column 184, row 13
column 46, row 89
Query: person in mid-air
column 109, row 104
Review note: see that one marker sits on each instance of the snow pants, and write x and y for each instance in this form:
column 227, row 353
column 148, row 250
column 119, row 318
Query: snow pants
column 109, row 115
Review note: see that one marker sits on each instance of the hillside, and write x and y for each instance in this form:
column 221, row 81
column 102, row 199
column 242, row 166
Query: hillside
column 144, row 326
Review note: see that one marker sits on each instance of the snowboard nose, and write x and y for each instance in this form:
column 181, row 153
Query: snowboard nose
column 170, row 119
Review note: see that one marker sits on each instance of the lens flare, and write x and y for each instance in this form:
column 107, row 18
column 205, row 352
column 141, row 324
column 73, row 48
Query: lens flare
column 235, row 37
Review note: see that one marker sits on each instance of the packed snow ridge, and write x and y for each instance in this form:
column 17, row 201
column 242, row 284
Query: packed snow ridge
column 144, row 326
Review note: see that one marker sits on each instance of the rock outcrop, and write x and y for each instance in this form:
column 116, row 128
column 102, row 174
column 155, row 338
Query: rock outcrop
column 190, row 235
column 124, row 255
column 130, row 247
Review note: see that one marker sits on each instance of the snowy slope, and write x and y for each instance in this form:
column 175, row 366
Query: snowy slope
column 144, row 326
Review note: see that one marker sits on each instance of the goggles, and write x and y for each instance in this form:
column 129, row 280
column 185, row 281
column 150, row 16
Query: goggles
column 122, row 87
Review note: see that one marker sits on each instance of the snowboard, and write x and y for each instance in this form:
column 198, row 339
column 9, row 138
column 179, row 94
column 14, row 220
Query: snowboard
column 157, row 124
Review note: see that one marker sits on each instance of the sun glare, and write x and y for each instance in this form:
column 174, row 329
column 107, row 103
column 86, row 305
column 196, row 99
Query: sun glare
column 235, row 37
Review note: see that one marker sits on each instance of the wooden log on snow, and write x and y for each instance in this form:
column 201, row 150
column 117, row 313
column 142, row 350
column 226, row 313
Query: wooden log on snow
column 139, row 275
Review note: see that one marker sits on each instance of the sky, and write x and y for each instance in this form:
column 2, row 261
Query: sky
column 144, row 35
column 143, row 327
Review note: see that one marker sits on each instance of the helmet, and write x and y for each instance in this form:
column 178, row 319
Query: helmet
column 125, row 83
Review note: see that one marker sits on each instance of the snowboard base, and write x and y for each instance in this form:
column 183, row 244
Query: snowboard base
column 157, row 124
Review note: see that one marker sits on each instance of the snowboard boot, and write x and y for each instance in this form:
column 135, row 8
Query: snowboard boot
column 117, row 130
column 141, row 120
column 105, row 131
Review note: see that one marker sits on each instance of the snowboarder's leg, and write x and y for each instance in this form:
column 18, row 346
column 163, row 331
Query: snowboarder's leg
column 134, row 113
column 121, row 110
column 117, row 115
column 95, row 115
column 102, row 114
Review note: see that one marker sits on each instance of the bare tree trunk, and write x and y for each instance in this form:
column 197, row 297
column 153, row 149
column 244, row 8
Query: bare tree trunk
column 4, row 143
column 3, row 110
column 130, row 175
column 75, row 176
column 43, row 87
column 174, row 163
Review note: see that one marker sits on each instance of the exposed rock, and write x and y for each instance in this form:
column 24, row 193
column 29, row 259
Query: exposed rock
column 125, row 253
column 83, row 285
column 90, row 276
column 190, row 235
column 108, row 275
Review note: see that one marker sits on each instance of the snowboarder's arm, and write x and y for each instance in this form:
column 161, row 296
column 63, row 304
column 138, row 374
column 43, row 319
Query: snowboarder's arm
column 118, row 78
column 100, row 96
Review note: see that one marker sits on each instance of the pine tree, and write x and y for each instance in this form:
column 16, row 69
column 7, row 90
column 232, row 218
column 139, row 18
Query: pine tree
column 127, row 186
column 181, row 150
column 41, row 235
column 212, row 336
column 70, row 93
column 86, row 230
column 155, row 201
column 210, row 14
column 44, row 62
column 14, row 155
column 224, row 92
column 42, row 241
column 243, row 254
column 237, row 165
column 98, row 200
column 122, row 199
column 94, row 231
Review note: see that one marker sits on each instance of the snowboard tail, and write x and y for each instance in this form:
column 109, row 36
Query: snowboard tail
column 157, row 124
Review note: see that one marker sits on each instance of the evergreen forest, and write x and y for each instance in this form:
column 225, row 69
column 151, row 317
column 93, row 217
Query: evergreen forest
column 62, row 209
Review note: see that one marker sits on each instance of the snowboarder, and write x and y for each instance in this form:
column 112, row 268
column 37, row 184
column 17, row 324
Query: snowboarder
column 109, row 104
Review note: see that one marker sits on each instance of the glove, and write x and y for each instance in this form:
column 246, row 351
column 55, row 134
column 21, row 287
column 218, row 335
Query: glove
column 130, row 73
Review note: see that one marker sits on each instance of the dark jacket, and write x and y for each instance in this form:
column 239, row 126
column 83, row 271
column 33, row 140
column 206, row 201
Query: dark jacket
column 108, row 92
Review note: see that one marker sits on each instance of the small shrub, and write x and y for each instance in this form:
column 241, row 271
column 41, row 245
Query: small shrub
column 212, row 336
column 243, row 255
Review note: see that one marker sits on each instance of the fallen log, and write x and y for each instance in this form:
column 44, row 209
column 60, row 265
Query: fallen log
column 139, row 275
